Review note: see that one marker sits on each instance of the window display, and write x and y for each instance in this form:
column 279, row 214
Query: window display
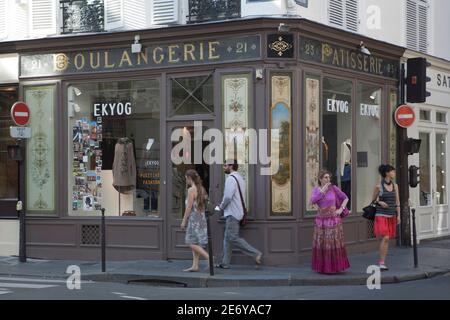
column 115, row 148
column 336, row 139
column 368, row 135
column 8, row 168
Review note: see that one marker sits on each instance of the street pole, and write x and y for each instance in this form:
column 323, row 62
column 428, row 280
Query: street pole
column 416, row 262
column 21, row 214
column 103, row 241
column 402, row 135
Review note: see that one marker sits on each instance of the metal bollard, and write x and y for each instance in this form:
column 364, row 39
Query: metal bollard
column 22, row 233
column 210, row 249
column 103, row 240
column 416, row 262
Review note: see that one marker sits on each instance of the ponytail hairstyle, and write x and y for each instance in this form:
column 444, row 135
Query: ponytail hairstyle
column 201, row 192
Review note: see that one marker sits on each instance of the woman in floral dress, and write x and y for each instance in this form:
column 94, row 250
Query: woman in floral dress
column 194, row 218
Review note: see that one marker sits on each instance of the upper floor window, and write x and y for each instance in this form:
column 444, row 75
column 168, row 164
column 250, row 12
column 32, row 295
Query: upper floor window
column 209, row 10
column 2, row 19
column 343, row 14
column 417, row 17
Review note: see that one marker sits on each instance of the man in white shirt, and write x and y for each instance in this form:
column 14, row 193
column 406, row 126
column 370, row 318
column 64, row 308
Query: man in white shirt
column 233, row 213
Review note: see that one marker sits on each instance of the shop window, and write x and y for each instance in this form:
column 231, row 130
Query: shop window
column 40, row 150
column 313, row 140
column 441, row 117
column 281, row 119
column 114, row 148
column 336, row 132
column 425, row 115
column 368, row 135
column 235, row 107
column 441, row 169
column 392, row 129
column 8, row 168
column 192, row 95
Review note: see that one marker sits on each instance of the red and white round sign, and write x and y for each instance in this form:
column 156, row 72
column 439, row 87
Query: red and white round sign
column 20, row 113
column 405, row 116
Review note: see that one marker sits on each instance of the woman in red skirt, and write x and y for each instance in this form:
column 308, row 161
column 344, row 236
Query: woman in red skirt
column 387, row 216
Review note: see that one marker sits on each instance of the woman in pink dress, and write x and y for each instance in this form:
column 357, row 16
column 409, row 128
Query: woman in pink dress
column 328, row 250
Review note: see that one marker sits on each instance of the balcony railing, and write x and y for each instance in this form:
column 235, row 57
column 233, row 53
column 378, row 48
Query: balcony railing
column 213, row 10
column 80, row 16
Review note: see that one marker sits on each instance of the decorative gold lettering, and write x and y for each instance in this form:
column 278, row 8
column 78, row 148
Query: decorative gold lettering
column 366, row 66
column 348, row 59
column 212, row 50
column 342, row 56
column 372, row 65
column 76, row 60
column 160, row 57
column 107, row 64
column 201, row 51
column 189, row 51
column 380, row 67
column 172, row 53
column 94, row 65
column 143, row 56
column 125, row 57
column 336, row 58
column 353, row 60
column 360, row 66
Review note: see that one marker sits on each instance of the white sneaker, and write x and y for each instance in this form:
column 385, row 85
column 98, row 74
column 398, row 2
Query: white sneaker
column 383, row 267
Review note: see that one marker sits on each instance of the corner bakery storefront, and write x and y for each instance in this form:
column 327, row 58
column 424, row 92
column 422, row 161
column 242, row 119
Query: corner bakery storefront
column 103, row 112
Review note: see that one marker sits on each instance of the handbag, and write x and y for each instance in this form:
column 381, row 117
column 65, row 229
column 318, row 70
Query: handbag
column 345, row 212
column 370, row 211
column 243, row 221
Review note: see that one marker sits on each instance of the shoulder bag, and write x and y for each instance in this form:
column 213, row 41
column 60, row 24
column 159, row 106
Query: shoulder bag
column 243, row 221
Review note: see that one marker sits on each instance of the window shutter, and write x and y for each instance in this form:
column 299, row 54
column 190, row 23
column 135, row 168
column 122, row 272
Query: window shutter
column 336, row 12
column 164, row 11
column 423, row 27
column 343, row 14
column 3, row 32
column 134, row 12
column 113, row 14
column 43, row 17
column 351, row 15
column 417, row 25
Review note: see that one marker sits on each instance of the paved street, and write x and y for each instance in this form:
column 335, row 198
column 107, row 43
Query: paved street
column 34, row 288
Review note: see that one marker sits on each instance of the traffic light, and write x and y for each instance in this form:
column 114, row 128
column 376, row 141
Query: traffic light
column 413, row 145
column 416, row 80
column 413, row 176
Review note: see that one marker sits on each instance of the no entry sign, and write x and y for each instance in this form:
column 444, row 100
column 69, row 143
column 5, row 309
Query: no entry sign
column 405, row 116
column 20, row 113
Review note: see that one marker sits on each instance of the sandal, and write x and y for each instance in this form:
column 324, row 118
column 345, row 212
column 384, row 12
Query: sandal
column 258, row 259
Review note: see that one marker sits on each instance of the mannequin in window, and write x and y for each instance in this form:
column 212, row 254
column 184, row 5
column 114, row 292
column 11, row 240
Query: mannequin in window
column 124, row 166
column 346, row 169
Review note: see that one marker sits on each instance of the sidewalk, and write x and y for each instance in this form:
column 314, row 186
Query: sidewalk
column 434, row 260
